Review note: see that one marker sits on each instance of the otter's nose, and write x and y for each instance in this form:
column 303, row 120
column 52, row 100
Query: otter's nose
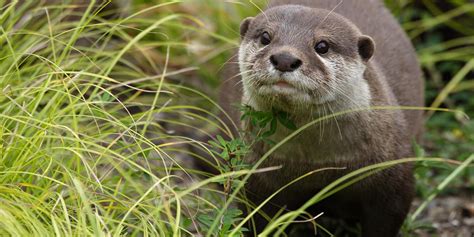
column 285, row 62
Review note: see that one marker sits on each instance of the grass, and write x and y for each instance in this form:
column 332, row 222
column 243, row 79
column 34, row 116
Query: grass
column 98, row 114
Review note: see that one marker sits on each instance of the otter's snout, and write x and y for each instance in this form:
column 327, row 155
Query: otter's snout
column 285, row 62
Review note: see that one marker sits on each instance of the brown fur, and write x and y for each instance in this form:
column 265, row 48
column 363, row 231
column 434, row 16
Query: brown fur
column 402, row 72
column 381, row 201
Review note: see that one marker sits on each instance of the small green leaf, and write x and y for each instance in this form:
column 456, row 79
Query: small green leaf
column 214, row 144
column 286, row 121
column 221, row 141
column 106, row 96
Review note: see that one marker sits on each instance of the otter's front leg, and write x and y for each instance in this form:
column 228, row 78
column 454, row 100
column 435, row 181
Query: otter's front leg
column 385, row 207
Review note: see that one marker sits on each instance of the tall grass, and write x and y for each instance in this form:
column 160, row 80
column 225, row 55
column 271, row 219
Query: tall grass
column 97, row 117
column 74, row 159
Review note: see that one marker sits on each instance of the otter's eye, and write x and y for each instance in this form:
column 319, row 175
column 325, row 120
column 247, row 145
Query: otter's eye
column 265, row 38
column 322, row 47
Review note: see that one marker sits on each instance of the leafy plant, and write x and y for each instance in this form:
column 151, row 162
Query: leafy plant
column 230, row 218
column 265, row 123
column 232, row 153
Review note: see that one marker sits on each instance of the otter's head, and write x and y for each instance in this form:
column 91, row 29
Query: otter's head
column 299, row 59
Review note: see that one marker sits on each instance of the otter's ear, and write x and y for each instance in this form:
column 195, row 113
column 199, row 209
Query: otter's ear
column 366, row 47
column 244, row 26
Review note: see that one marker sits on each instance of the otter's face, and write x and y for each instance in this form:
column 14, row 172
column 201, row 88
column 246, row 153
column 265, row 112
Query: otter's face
column 296, row 58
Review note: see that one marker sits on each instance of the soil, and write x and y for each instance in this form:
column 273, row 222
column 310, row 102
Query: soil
column 449, row 216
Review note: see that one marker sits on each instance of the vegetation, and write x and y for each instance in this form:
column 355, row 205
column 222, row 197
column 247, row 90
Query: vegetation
column 99, row 112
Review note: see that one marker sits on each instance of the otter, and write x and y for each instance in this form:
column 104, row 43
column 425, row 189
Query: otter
column 313, row 58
